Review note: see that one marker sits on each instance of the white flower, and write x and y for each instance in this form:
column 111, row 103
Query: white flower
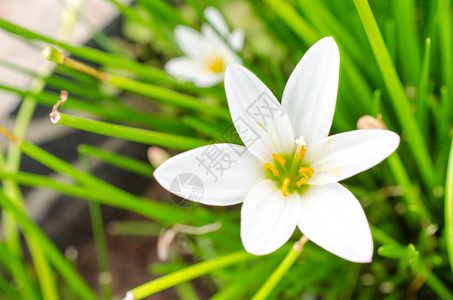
column 288, row 173
column 206, row 54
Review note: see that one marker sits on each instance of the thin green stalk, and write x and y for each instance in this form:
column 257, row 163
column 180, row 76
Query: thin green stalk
column 146, row 71
column 205, row 127
column 186, row 291
column 436, row 284
column 102, row 254
column 21, row 278
column 189, row 273
column 292, row 18
column 6, row 289
column 449, row 208
column 397, row 95
column 407, row 39
column 45, row 273
column 78, row 286
column 445, row 35
column 116, row 112
column 281, row 270
column 164, row 95
column 167, row 96
column 161, row 212
column 112, row 195
column 412, row 198
column 126, row 163
column 43, row 270
column 132, row 134
column 358, row 84
column 422, row 95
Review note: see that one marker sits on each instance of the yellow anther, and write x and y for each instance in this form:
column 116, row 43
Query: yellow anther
column 216, row 64
column 301, row 153
column 303, row 172
column 279, row 159
column 308, row 170
column 271, row 166
column 302, row 180
column 285, row 187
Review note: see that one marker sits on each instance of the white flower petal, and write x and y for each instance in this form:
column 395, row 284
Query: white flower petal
column 218, row 174
column 191, row 42
column 191, row 70
column 267, row 218
column 343, row 155
column 236, row 39
column 310, row 94
column 332, row 218
column 258, row 117
column 216, row 19
column 216, row 43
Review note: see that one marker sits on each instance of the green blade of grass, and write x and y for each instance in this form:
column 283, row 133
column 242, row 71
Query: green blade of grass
column 423, row 82
column 77, row 284
column 281, row 270
column 167, row 214
column 412, row 198
column 147, row 72
column 290, row 16
column 189, row 273
column 44, row 272
column 397, row 95
column 102, row 254
column 132, row 134
column 126, row 163
column 407, row 39
column 445, row 35
column 167, row 96
column 449, row 208
column 22, row 279
column 164, row 213
column 163, row 122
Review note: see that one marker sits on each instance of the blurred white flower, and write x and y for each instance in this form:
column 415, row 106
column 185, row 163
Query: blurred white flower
column 7, row 105
column 288, row 173
column 206, row 54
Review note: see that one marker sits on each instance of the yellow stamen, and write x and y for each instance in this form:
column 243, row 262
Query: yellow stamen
column 271, row 166
column 285, row 187
column 302, row 180
column 279, row 159
column 216, row 64
column 301, row 153
column 308, row 170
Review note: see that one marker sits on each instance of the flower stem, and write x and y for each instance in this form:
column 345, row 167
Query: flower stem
column 281, row 270
column 449, row 209
column 188, row 273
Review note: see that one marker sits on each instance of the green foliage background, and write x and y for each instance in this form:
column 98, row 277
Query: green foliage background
column 396, row 61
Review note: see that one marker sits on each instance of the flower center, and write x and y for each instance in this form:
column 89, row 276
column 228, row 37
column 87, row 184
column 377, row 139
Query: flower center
column 290, row 177
column 215, row 64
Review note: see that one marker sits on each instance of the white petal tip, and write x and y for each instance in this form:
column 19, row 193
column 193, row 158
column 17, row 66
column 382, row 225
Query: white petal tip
column 358, row 258
column 393, row 140
column 257, row 252
column 129, row 296
column 209, row 11
column 364, row 260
